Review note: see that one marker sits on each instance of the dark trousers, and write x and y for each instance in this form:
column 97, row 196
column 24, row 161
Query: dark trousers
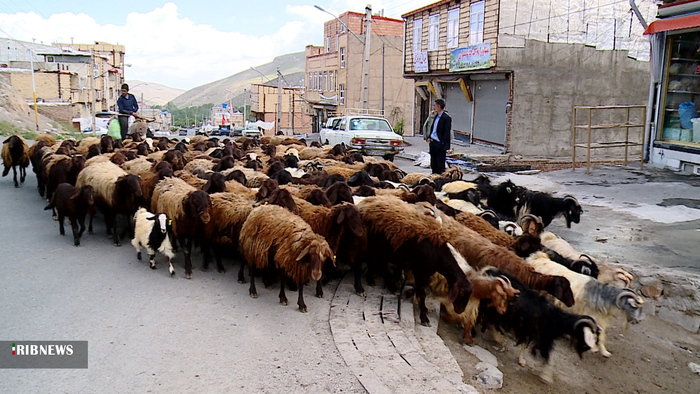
column 124, row 124
column 437, row 157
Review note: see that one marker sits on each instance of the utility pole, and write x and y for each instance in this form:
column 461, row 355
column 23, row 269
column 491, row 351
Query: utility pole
column 382, row 78
column 365, row 62
column 31, row 61
column 245, row 106
column 92, row 90
column 279, row 101
column 291, row 111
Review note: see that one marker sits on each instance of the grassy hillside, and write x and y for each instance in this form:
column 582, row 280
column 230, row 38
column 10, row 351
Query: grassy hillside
column 290, row 65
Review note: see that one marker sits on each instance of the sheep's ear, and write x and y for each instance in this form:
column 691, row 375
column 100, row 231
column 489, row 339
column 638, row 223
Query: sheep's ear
column 75, row 194
column 454, row 293
column 341, row 217
column 304, row 252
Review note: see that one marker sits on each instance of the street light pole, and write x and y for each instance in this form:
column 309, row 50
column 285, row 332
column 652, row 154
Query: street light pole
column 31, row 61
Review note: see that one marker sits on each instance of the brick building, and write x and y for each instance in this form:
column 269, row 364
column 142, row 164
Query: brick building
column 334, row 70
column 263, row 106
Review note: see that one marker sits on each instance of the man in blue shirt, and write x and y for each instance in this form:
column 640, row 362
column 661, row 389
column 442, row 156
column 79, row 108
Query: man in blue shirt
column 127, row 106
column 440, row 134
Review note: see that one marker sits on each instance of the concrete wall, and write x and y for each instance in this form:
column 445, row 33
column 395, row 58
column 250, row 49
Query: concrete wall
column 549, row 79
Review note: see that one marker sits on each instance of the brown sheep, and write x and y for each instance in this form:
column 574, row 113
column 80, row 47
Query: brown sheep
column 15, row 153
column 496, row 289
column 189, row 210
column 273, row 235
column 116, row 192
column 480, row 253
column 400, row 235
column 228, row 213
column 341, row 226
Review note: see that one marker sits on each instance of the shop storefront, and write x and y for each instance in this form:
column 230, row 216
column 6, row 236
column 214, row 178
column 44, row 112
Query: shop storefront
column 675, row 139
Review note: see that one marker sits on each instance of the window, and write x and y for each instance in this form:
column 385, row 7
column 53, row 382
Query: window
column 342, row 28
column 337, row 39
column 320, row 82
column 342, row 94
column 328, row 44
column 434, row 32
column 342, row 57
column 325, row 80
column 417, row 34
column 476, row 23
column 330, row 81
column 315, row 81
column 49, row 59
column 452, row 28
column 311, row 81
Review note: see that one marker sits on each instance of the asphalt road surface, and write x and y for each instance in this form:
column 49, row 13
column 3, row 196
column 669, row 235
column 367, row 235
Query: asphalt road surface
column 148, row 331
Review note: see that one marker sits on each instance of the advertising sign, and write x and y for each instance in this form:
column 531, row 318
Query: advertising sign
column 473, row 57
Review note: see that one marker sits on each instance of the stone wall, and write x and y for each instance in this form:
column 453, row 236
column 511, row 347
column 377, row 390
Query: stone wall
column 549, row 79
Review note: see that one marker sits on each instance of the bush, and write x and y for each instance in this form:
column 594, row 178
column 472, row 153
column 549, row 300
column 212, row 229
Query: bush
column 398, row 128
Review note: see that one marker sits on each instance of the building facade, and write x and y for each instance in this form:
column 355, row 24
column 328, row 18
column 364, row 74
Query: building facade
column 511, row 71
column 674, row 95
column 263, row 106
column 334, row 71
column 72, row 82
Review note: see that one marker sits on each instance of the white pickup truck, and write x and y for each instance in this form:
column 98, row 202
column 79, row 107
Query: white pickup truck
column 372, row 135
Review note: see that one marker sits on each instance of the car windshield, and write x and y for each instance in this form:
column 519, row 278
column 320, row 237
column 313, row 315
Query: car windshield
column 369, row 124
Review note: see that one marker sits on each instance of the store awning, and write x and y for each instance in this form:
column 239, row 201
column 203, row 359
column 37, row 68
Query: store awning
column 678, row 23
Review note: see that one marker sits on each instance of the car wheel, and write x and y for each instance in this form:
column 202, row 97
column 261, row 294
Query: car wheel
column 389, row 157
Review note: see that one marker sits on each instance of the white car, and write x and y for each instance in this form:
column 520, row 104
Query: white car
column 331, row 123
column 372, row 135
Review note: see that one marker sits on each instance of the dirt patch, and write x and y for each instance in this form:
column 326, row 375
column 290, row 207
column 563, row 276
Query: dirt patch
column 650, row 357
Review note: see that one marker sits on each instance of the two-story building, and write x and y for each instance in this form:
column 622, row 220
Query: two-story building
column 264, row 101
column 510, row 71
column 334, row 71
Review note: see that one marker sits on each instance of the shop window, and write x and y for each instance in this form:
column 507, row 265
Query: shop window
column 683, row 90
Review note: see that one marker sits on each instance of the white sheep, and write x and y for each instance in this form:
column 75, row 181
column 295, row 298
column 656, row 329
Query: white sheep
column 153, row 232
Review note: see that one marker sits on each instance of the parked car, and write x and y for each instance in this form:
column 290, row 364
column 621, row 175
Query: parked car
column 236, row 131
column 251, row 131
column 372, row 135
column 331, row 123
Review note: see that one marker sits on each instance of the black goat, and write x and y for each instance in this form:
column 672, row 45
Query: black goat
column 548, row 207
column 535, row 320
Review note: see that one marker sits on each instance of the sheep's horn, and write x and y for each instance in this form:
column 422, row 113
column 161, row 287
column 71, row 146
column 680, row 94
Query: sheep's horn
column 505, row 278
column 486, row 213
column 587, row 321
column 627, row 294
column 570, row 197
column 587, row 257
column 527, row 218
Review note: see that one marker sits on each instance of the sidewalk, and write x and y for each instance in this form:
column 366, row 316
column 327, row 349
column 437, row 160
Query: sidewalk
column 474, row 151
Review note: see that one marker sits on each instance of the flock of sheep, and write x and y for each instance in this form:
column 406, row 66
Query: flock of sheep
column 296, row 213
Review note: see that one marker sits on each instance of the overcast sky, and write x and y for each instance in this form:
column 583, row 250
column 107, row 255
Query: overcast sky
column 184, row 44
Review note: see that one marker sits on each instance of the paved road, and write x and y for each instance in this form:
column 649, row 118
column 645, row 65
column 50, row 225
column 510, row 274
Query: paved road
column 147, row 331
